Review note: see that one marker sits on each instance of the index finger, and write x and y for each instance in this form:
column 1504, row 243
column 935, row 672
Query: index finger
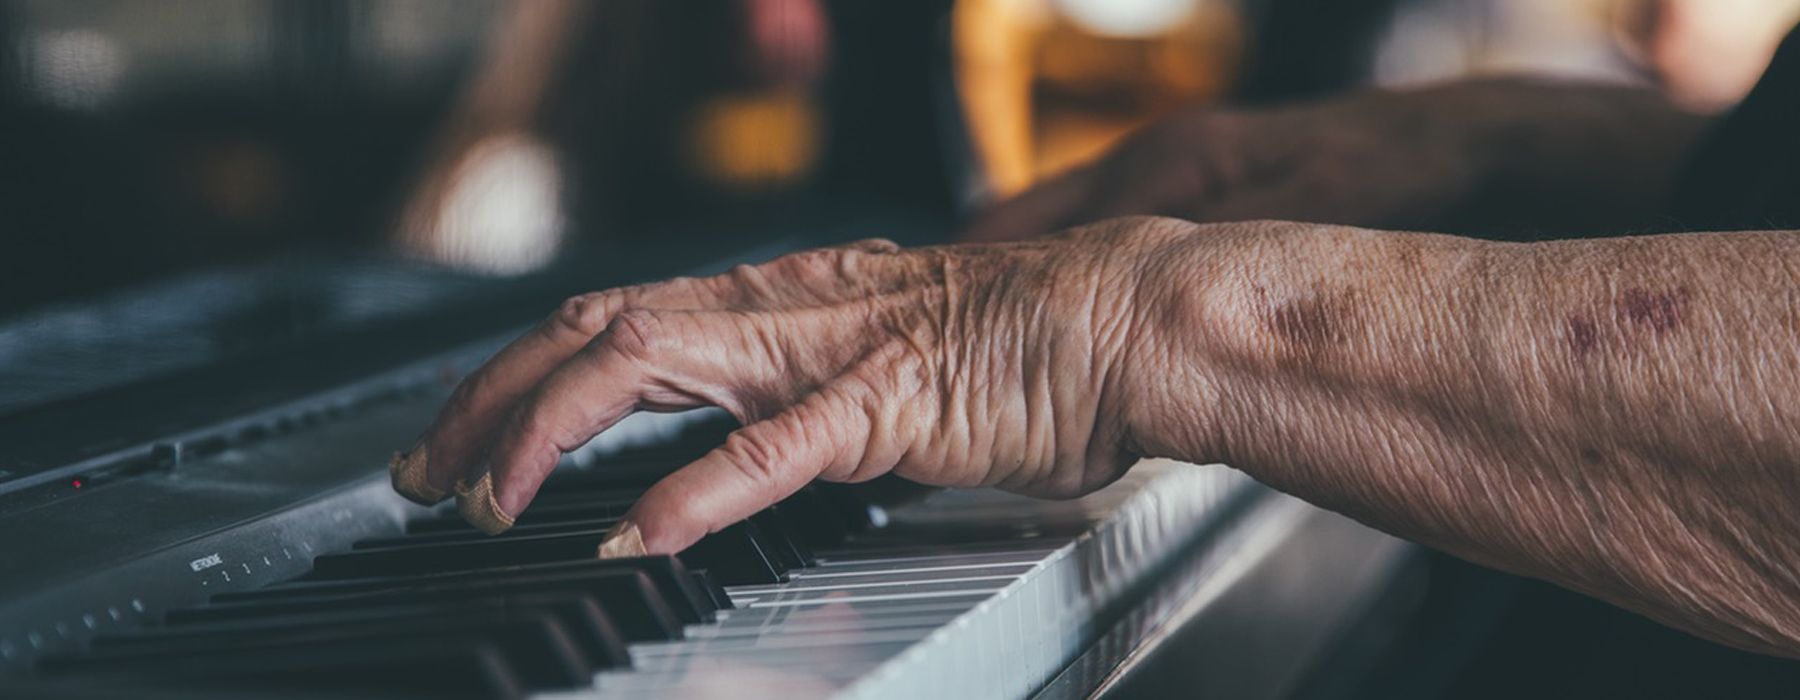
column 475, row 411
column 455, row 445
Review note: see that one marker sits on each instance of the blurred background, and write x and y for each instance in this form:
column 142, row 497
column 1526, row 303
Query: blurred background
column 491, row 135
column 186, row 182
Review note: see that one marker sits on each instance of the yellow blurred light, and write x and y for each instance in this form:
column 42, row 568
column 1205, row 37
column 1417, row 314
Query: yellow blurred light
column 757, row 140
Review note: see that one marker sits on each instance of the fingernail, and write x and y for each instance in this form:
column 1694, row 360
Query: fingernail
column 407, row 471
column 477, row 506
column 622, row 541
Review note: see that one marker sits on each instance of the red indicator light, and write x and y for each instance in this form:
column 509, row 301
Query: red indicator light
column 76, row 483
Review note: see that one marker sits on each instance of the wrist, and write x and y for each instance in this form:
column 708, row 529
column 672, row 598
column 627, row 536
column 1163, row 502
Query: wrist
column 1263, row 329
column 1205, row 332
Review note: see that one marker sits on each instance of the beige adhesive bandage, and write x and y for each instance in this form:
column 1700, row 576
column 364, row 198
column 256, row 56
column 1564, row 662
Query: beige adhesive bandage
column 407, row 472
column 623, row 541
column 478, row 507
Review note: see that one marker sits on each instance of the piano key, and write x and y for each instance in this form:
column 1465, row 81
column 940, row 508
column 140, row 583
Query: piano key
column 847, row 503
column 876, row 564
column 736, row 555
column 537, row 648
column 926, row 620
column 773, row 619
column 470, row 534
column 792, row 552
column 844, row 661
column 552, row 493
column 668, row 575
column 581, row 616
column 428, row 668
column 812, row 520
column 704, row 581
column 643, row 655
column 536, row 514
column 869, row 590
column 627, row 596
column 486, row 553
column 866, row 579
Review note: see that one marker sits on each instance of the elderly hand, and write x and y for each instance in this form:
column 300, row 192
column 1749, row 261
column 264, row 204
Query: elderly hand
column 1012, row 365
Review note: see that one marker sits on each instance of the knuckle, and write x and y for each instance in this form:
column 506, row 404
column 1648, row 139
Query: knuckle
column 755, row 454
column 584, row 314
column 748, row 282
column 636, row 333
column 875, row 245
column 809, row 263
column 744, row 274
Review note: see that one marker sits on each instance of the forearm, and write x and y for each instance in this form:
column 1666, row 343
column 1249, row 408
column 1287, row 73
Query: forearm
column 1568, row 155
column 1613, row 415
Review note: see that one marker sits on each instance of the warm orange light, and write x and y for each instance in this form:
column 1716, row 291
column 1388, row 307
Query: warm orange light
column 758, row 139
column 1048, row 84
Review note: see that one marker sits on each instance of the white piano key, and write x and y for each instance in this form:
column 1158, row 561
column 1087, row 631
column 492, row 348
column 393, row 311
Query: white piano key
column 912, row 619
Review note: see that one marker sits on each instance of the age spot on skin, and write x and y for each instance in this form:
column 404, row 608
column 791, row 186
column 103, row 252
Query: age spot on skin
column 1582, row 334
column 1658, row 311
column 1308, row 322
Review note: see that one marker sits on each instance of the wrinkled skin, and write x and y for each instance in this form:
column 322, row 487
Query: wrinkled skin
column 1002, row 365
column 1613, row 415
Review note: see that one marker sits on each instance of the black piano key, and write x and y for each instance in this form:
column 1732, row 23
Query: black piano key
column 536, row 514
column 710, row 586
column 619, row 474
column 816, row 521
column 848, row 503
column 536, row 647
column 736, row 556
column 427, row 668
column 557, row 493
column 667, row 574
column 587, row 624
column 792, row 552
column 484, row 553
column 627, row 596
column 473, row 535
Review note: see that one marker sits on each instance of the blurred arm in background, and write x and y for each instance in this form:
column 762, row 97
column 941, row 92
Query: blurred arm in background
column 1462, row 147
column 1572, row 156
